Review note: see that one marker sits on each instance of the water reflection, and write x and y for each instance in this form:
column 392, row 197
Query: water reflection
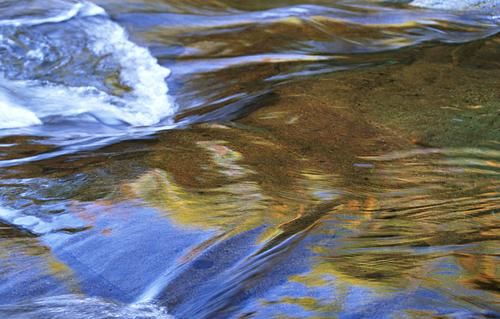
column 419, row 239
column 419, row 226
column 27, row 262
column 235, row 205
column 370, row 193
column 253, row 46
column 418, row 235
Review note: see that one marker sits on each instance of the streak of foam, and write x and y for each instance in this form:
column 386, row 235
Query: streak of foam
column 27, row 103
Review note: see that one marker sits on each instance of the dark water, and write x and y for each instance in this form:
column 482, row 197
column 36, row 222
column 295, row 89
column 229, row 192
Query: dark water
column 301, row 159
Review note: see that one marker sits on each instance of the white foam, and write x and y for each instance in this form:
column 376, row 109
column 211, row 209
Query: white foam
column 13, row 117
column 7, row 215
column 37, row 102
column 149, row 101
column 459, row 4
column 81, row 307
column 146, row 103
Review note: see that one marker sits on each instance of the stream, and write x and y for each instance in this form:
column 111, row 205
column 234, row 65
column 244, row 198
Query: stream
column 249, row 159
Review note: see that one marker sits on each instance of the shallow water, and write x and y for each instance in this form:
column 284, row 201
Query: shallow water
column 229, row 159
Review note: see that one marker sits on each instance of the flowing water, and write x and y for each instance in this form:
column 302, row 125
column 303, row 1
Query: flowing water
column 249, row 159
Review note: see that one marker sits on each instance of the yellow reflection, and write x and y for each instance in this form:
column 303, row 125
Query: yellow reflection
column 27, row 246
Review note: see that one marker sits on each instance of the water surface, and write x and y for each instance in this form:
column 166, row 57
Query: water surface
column 229, row 159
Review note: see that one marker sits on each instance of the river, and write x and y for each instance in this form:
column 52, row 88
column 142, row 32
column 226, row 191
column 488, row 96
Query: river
column 249, row 159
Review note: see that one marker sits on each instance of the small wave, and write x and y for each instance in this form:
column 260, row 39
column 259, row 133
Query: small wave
column 76, row 307
column 75, row 9
column 28, row 101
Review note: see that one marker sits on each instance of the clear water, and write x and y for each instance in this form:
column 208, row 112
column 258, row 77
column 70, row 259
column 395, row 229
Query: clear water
column 229, row 159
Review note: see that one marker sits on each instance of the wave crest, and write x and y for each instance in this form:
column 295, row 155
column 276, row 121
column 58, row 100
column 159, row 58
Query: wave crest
column 125, row 84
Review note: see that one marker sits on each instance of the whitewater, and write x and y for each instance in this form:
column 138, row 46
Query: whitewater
column 33, row 94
